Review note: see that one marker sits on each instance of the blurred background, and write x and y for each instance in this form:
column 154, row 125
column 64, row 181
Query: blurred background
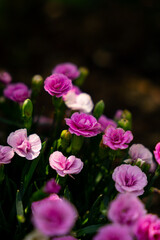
column 117, row 40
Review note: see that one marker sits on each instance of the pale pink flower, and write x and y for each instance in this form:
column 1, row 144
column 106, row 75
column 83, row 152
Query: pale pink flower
column 28, row 147
column 113, row 232
column 140, row 153
column 63, row 165
column 129, row 179
column 117, row 138
column 6, row 154
column 53, row 216
column 157, row 153
column 81, row 102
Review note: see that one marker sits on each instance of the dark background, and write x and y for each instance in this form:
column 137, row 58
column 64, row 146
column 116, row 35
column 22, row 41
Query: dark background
column 117, row 40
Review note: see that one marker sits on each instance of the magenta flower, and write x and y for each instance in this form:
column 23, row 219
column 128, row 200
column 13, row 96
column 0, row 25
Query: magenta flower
column 53, row 216
column 52, row 187
column 154, row 230
column 129, row 179
column 6, row 154
column 138, row 152
column 117, row 138
column 68, row 69
column 145, row 227
column 75, row 90
column 64, row 238
column 157, row 153
column 28, row 147
column 57, row 85
column 113, row 232
column 63, row 165
column 17, row 92
column 126, row 209
column 105, row 122
column 83, row 124
column 5, row 77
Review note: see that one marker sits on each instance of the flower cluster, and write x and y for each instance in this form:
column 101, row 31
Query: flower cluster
column 85, row 172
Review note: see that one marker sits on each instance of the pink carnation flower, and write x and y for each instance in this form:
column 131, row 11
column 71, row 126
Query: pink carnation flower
column 68, row 69
column 126, row 209
column 76, row 90
column 105, row 122
column 57, row 85
column 117, row 138
column 52, row 187
column 157, row 153
column 17, row 92
column 5, row 77
column 64, row 238
column 6, row 154
column 129, row 179
column 83, row 124
column 113, row 232
column 118, row 114
column 53, row 216
column 138, row 152
column 28, row 147
column 146, row 227
column 63, row 165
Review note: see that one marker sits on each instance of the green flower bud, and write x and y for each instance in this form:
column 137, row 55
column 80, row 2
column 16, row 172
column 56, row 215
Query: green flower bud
column 98, row 109
column 83, row 75
column 125, row 124
column 37, row 84
column 127, row 115
column 76, row 143
column 27, row 108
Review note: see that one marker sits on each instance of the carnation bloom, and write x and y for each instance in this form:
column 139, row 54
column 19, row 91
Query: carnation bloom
column 138, row 152
column 57, row 85
column 5, row 77
column 83, row 124
column 81, row 102
column 53, row 216
column 63, row 165
column 126, row 209
column 76, row 90
column 105, row 122
column 17, row 92
column 68, row 69
column 145, row 227
column 117, row 138
column 64, row 238
column 113, row 232
column 52, row 187
column 129, row 179
column 6, row 154
column 157, row 153
column 118, row 114
column 154, row 230
column 28, row 147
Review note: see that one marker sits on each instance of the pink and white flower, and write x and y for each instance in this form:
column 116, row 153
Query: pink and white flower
column 28, row 147
column 63, row 165
column 6, row 154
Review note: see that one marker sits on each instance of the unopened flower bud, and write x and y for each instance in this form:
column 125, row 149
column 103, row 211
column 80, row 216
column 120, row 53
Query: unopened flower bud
column 65, row 139
column 99, row 109
column 125, row 124
column 37, row 83
column 27, row 108
column 83, row 75
column 76, row 144
column 127, row 115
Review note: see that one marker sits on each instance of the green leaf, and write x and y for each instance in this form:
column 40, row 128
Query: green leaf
column 88, row 230
column 99, row 109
